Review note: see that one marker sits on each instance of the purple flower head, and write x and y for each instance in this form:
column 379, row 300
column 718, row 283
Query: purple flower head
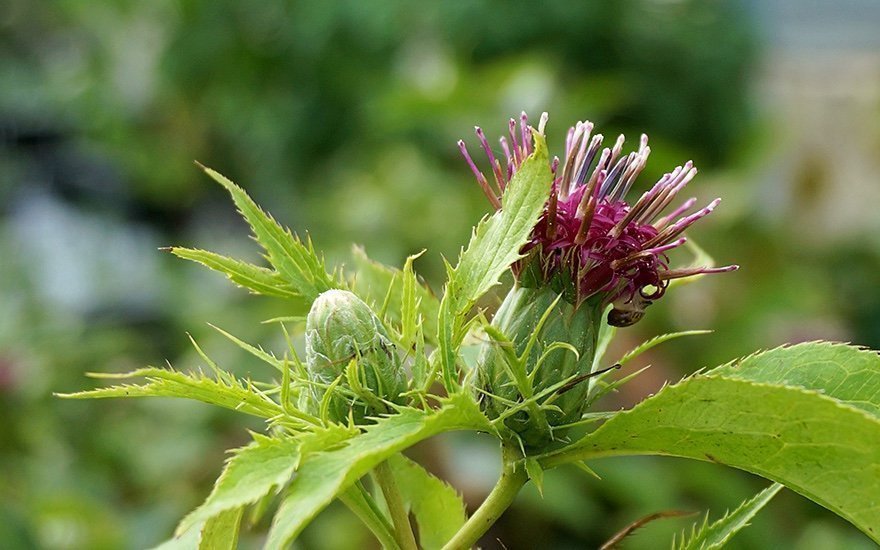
column 590, row 242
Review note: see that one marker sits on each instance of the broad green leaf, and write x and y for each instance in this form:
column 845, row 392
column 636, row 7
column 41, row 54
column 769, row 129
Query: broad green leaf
column 823, row 449
column 294, row 260
column 436, row 505
column 254, row 278
column 257, row 469
column 324, row 475
column 716, row 535
column 846, row 373
column 226, row 391
column 377, row 284
column 494, row 246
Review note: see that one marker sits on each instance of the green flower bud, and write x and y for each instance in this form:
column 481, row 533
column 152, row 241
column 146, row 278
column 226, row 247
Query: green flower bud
column 345, row 339
column 518, row 318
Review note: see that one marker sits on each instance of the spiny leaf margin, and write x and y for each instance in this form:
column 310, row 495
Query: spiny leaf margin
column 847, row 373
column 716, row 535
column 294, row 260
column 227, row 392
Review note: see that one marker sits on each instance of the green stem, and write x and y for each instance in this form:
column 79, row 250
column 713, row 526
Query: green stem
column 513, row 477
column 358, row 501
column 403, row 532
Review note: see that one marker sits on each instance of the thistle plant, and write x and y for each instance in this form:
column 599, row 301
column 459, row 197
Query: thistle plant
column 383, row 366
column 589, row 249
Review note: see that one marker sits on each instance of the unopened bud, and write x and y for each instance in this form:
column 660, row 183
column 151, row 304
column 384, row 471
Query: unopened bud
column 341, row 331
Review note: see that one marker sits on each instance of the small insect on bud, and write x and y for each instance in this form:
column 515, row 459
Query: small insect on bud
column 345, row 341
column 629, row 312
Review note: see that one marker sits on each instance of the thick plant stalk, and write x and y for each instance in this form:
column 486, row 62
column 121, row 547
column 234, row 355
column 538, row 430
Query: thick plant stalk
column 513, row 477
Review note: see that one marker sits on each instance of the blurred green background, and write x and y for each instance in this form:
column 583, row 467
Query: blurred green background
column 341, row 118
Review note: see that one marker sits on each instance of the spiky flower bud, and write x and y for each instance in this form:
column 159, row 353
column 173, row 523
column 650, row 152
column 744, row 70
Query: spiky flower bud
column 345, row 341
column 554, row 342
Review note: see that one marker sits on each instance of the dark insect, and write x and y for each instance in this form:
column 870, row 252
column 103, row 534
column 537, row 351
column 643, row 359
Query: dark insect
column 628, row 313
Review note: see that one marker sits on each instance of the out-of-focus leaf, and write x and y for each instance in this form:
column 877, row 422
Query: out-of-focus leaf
column 325, row 474
column 437, row 506
column 716, row 535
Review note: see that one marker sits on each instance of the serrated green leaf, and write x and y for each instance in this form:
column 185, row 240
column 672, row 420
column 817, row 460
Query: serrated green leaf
column 251, row 473
column 436, row 505
column 294, row 260
column 257, row 469
column 716, row 535
column 376, row 282
column 494, row 246
column 815, row 445
column 846, row 373
column 221, row 531
column 254, row 278
column 326, row 474
column 226, row 392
